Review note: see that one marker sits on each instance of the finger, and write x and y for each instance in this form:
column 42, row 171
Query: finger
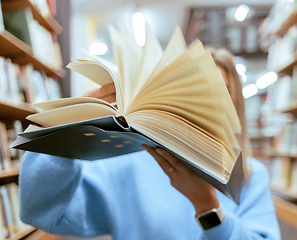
column 173, row 161
column 102, row 92
column 109, row 88
column 166, row 166
column 110, row 98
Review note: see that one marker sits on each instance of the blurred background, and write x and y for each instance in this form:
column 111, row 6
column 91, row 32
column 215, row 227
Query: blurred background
column 262, row 35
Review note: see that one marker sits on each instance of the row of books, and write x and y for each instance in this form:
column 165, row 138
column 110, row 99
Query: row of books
column 282, row 50
column 280, row 11
column 286, row 141
column 9, row 157
column 10, row 222
column 21, row 24
column 283, row 94
column 24, row 84
column 283, row 174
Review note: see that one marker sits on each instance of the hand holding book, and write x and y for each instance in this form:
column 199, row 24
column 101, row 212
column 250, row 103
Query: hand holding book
column 196, row 189
column 176, row 100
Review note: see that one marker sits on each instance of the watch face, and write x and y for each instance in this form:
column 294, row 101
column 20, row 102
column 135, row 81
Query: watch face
column 210, row 220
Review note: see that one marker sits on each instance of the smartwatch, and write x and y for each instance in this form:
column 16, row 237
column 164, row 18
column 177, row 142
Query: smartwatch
column 211, row 218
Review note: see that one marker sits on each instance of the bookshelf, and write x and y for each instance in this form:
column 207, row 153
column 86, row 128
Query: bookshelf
column 282, row 155
column 285, row 193
column 287, row 24
column 9, row 175
column 291, row 110
column 288, row 69
column 282, row 158
column 286, row 210
column 23, row 233
column 20, row 55
column 47, row 21
column 11, row 111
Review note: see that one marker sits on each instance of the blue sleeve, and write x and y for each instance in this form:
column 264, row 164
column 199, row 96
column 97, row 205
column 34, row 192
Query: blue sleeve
column 56, row 198
column 254, row 218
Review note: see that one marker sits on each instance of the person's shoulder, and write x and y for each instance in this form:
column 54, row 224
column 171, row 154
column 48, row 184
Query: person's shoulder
column 255, row 165
column 257, row 170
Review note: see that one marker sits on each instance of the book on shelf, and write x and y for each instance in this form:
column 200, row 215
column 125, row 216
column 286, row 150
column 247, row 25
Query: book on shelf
column 4, row 228
column 282, row 50
column 285, row 141
column 2, row 225
column 283, row 94
column 293, row 94
column 43, row 7
column 19, row 23
column 293, row 185
column 14, row 198
column 7, row 210
column 4, row 147
column 12, row 128
column 10, row 221
column 1, row 19
column 176, row 99
column 280, row 172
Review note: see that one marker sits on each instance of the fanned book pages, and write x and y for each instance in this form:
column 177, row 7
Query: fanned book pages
column 176, row 99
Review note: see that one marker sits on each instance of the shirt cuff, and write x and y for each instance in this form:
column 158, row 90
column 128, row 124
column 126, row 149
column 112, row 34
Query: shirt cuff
column 225, row 231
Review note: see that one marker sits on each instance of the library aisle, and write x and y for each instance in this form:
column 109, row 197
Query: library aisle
column 38, row 38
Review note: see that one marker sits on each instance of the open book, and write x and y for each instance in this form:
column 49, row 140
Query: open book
column 176, row 99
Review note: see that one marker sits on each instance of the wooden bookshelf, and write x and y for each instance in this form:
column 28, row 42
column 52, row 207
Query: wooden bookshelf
column 291, row 110
column 260, row 137
column 41, row 235
column 47, row 22
column 284, row 193
column 282, row 155
column 22, row 233
column 288, row 69
column 9, row 173
column 286, row 211
column 9, row 176
column 12, row 111
column 287, row 24
column 22, row 54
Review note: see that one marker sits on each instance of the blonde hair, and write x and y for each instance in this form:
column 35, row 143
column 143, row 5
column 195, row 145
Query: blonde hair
column 225, row 59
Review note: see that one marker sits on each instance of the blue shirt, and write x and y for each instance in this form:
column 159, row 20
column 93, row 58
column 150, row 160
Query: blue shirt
column 131, row 198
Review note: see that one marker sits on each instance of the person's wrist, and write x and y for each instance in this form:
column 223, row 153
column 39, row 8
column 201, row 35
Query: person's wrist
column 206, row 202
column 210, row 218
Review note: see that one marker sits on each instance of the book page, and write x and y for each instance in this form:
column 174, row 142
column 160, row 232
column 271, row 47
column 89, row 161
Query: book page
column 101, row 73
column 152, row 52
column 130, row 54
column 63, row 102
column 31, row 128
column 70, row 114
column 115, row 38
column 183, row 66
column 175, row 48
column 184, row 139
column 193, row 79
column 95, row 71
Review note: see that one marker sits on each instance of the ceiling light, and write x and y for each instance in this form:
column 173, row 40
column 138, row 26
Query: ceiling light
column 249, row 90
column 240, row 68
column 241, row 13
column 266, row 80
column 139, row 28
column 98, row 48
